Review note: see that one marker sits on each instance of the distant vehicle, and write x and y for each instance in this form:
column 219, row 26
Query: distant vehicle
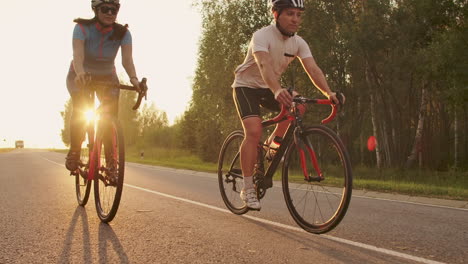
column 19, row 144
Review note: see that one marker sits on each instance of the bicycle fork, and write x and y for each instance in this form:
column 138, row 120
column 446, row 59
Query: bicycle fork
column 93, row 159
column 304, row 146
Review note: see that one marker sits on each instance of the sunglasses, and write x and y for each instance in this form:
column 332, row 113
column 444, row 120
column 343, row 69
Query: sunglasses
column 106, row 9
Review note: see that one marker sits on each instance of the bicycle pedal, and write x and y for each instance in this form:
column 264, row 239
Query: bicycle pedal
column 267, row 183
column 314, row 179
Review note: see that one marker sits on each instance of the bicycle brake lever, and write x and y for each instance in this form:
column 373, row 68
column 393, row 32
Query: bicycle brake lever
column 141, row 94
column 339, row 96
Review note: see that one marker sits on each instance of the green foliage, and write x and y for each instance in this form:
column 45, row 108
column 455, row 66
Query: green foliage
column 226, row 33
column 153, row 126
column 170, row 157
column 128, row 117
column 66, row 116
column 389, row 49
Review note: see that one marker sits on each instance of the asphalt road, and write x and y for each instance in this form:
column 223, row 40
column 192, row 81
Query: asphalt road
column 177, row 216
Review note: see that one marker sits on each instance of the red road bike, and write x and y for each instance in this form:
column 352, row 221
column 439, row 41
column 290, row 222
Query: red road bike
column 316, row 174
column 102, row 157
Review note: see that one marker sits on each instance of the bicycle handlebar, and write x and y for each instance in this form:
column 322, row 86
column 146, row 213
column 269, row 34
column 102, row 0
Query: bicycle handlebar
column 141, row 94
column 303, row 100
column 143, row 88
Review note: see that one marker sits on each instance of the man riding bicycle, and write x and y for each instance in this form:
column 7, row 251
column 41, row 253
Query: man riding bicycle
column 257, row 83
column 96, row 42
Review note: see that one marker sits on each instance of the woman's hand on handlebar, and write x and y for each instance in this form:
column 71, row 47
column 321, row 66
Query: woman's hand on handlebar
column 135, row 84
column 82, row 79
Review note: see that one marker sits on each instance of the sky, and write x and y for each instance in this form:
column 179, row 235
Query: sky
column 36, row 51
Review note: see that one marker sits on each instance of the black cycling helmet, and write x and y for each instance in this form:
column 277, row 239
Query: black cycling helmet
column 278, row 5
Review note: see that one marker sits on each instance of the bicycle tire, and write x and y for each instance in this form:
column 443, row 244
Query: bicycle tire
column 82, row 184
column 109, row 174
column 230, row 174
column 330, row 197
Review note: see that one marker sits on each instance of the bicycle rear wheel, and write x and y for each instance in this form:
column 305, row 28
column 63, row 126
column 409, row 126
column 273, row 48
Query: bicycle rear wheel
column 108, row 180
column 318, row 206
column 82, row 184
column 230, row 174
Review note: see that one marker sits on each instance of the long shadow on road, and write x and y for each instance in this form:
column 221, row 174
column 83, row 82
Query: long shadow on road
column 106, row 239
column 80, row 213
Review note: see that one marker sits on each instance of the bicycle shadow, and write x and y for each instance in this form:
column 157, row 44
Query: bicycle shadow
column 80, row 213
column 106, row 237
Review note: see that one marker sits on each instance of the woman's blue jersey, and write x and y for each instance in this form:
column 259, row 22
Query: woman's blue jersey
column 100, row 50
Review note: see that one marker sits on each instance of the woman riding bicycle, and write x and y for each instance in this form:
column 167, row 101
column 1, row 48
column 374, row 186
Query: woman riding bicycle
column 257, row 82
column 96, row 42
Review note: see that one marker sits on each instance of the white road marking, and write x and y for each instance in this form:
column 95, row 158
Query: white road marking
column 336, row 239
column 408, row 202
column 51, row 161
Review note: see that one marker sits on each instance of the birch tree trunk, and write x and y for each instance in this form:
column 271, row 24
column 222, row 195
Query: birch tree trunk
column 455, row 149
column 361, row 136
column 375, row 127
column 419, row 130
column 375, row 130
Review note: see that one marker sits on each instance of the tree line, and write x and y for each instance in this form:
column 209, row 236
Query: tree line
column 402, row 65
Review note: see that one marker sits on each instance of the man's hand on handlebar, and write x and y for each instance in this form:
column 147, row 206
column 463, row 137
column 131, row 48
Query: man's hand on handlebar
column 334, row 97
column 283, row 97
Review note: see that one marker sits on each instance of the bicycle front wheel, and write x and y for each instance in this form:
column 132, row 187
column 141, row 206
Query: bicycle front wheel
column 230, row 174
column 82, row 184
column 109, row 177
column 318, row 206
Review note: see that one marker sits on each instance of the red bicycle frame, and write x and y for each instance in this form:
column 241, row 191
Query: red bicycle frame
column 292, row 114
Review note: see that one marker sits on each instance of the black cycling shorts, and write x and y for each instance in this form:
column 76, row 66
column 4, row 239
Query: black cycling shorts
column 249, row 100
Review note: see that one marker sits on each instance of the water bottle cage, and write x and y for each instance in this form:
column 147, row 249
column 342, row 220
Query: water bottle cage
column 273, row 148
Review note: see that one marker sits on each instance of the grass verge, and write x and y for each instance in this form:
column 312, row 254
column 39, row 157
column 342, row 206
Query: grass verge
column 437, row 184
column 3, row 150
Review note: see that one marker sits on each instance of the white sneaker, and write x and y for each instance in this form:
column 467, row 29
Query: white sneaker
column 250, row 199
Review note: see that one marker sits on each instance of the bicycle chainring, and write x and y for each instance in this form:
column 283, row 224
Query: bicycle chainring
column 259, row 185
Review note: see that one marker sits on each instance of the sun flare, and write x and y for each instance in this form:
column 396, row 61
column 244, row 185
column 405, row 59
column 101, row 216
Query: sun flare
column 90, row 115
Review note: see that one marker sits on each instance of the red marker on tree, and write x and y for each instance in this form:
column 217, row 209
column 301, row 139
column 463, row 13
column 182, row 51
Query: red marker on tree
column 371, row 143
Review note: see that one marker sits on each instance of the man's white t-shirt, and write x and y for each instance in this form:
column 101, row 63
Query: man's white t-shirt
column 282, row 51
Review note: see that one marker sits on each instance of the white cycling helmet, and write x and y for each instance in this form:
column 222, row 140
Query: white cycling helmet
column 280, row 4
column 95, row 3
